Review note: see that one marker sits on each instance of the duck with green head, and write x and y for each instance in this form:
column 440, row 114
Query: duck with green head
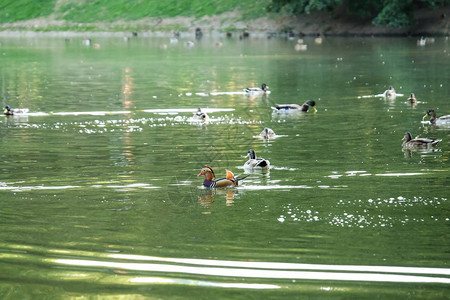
column 199, row 115
column 254, row 163
column 12, row 111
column 444, row 120
column 295, row 107
column 255, row 91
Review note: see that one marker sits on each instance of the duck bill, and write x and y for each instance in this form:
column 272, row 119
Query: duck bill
column 315, row 109
column 423, row 118
column 200, row 174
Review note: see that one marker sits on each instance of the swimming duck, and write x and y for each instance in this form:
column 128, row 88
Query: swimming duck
column 256, row 90
column 437, row 121
column 412, row 99
column 210, row 181
column 410, row 143
column 390, row 92
column 267, row 133
column 256, row 163
column 304, row 107
column 201, row 115
column 11, row 111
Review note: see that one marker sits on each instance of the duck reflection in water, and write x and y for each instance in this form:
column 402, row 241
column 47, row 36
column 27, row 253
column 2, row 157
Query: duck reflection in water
column 208, row 196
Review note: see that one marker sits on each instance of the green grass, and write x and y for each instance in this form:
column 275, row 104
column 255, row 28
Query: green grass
column 20, row 10
column 90, row 11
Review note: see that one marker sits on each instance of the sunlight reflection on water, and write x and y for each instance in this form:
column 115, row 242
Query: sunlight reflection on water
column 276, row 271
column 367, row 213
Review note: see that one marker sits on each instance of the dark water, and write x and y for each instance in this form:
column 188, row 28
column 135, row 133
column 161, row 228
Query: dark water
column 99, row 190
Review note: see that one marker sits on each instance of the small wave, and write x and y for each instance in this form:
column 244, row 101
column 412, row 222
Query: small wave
column 400, row 174
column 39, row 187
column 273, row 187
column 280, row 271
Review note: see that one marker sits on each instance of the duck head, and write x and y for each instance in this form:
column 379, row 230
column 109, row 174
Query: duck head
column 407, row 137
column 251, row 154
column 209, row 175
column 7, row 109
column 264, row 87
column 311, row 103
column 432, row 114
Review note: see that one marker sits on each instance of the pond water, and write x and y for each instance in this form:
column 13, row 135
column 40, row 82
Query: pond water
column 100, row 195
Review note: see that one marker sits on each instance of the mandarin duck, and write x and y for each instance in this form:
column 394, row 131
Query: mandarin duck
column 257, row 91
column 254, row 163
column 410, row 143
column 267, row 133
column 229, row 181
column 295, row 107
column 444, row 120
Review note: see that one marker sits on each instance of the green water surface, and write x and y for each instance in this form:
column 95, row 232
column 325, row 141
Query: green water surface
column 99, row 193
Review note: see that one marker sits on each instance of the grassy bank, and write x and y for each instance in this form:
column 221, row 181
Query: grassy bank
column 95, row 11
column 210, row 15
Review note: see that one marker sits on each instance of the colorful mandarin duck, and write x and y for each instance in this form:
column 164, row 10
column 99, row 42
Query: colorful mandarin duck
column 296, row 107
column 410, row 143
column 257, row 91
column 211, row 182
column 444, row 120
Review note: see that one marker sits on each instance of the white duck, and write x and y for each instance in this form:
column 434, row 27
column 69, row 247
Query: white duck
column 254, row 163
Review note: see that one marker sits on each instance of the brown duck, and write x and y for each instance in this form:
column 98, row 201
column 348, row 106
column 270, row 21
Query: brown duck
column 410, row 143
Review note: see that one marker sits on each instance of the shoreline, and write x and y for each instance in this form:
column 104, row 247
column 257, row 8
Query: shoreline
column 430, row 22
column 123, row 34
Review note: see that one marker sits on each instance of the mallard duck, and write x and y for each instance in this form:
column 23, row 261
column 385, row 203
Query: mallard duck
column 200, row 115
column 410, row 143
column 11, row 111
column 267, row 133
column 437, row 121
column 256, row 163
column 412, row 99
column 390, row 92
column 256, row 90
column 210, row 181
column 304, row 107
